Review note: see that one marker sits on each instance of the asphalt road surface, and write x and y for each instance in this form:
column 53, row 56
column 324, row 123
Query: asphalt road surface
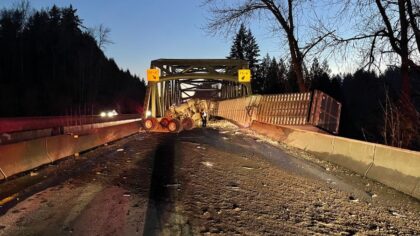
column 218, row 180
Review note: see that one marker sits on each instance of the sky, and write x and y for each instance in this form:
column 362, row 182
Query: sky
column 144, row 30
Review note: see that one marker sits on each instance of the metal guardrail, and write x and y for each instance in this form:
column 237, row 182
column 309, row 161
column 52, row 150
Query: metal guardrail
column 23, row 156
column 14, row 137
column 8, row 125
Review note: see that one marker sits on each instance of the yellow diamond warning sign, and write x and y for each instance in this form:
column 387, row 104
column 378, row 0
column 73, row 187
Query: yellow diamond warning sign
column 153, row 75
column 244, row 75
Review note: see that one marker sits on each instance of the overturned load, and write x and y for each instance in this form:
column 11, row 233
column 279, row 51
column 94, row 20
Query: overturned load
column 312, row 109
column 185, row 116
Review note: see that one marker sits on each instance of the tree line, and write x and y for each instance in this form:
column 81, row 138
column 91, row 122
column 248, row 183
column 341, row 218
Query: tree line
column 369, row 98
column 51, row 64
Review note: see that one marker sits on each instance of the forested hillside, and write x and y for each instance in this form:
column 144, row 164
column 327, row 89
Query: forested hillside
column 51, row 64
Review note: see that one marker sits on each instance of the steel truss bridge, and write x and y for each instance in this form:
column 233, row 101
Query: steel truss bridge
column 183, row 79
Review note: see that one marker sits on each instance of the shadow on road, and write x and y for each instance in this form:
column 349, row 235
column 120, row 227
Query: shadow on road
column 162, row 216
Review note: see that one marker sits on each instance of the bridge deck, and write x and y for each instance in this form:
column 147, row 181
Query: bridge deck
column 197, row 182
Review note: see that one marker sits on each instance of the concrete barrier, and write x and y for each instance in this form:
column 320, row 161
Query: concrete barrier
column 6, row 138
column 15, row 137
column 394, row 167
column 398, row 168
column 17, row 124
column 61, row 146
column 355, row 155
column 23, row 156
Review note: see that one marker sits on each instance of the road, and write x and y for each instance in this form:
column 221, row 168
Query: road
column 219, row 180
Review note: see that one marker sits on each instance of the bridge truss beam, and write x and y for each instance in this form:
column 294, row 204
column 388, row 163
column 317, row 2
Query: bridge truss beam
column 184, row 79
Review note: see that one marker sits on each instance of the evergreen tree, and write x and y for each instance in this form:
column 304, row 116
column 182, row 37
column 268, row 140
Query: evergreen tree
column 237, row 49
column 272, row 80
column 260, row 81
column 50, row 66
column 281, row 77
column 319, row 76
column 245, row 47
column 271, row 76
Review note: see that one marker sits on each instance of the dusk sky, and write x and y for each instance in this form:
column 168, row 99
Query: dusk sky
column 150, row 29
column 143, row 30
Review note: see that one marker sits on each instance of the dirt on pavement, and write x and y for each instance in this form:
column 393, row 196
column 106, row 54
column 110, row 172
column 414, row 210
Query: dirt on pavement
column 219, row 180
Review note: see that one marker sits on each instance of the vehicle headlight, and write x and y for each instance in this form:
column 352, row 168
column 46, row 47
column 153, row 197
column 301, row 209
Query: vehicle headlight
column 148, row 113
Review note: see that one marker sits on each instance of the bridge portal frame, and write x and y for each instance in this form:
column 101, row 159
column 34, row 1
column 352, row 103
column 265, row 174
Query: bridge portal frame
column 220, row 77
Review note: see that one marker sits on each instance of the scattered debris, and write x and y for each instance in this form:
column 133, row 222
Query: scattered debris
column 248, row 167
column 374, row 195
column 120, row 149
column 207, row 215
column 33, row 173
column 353, row 199
column 200, row 147
column 126, row 195
column 396, row 214
column 208, row 164
column 234, row 187
column 172, row 185
column 225, row 138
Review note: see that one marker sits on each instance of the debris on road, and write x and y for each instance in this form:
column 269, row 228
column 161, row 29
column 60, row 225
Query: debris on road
column 120, row 149
column 208, row 164
column 232, row 188
column 248, row 167
column 172, row 185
